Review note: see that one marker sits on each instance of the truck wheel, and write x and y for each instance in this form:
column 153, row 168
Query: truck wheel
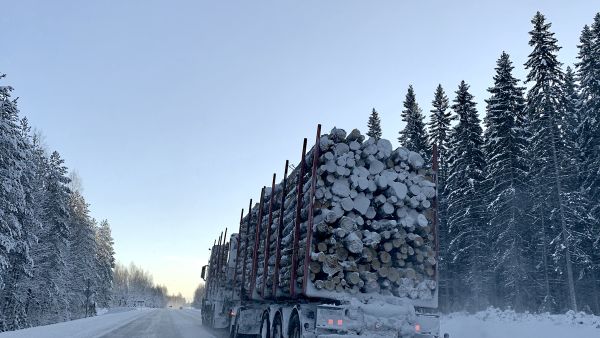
column 265, row 326
column 294, row 328
column 235, row 334
column 277, row 327
column 207, row 321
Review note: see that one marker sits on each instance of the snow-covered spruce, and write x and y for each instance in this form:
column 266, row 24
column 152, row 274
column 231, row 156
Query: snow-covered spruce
column 372, row 227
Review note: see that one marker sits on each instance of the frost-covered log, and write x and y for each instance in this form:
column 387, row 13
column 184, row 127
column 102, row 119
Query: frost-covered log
column 372, row 227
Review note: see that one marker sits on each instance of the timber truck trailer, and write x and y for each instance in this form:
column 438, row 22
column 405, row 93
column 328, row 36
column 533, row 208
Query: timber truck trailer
column 344, row 246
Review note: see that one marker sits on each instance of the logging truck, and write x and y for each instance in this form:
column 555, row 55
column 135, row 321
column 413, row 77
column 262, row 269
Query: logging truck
column 343, row 246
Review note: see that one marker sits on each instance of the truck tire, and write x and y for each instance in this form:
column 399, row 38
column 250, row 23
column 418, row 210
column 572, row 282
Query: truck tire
column 235, row 334
column 277, row 331
column 207, row 321
column 265, row 327
column 294, row 330
column 210, row 318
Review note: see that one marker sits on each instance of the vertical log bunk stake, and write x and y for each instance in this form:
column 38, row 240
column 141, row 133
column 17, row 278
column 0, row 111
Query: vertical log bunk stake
column 311, row 207
column 211, row 268
column 221, row 274
column 279, row 231
column 237, row 255
column 434, row 205
column 267, row 238
column 256, row 242
column 216, row 260
column 299, row 200
column 247, row 238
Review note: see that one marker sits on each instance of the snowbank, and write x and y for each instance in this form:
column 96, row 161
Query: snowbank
column 86, row 327
column 103, row 310
column 494, row 323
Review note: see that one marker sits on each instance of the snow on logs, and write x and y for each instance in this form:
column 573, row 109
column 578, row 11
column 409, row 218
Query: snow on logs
column 372, row 227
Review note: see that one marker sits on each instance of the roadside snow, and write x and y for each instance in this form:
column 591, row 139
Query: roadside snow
column 494, row 323
column 84, row 328
column 103, row 310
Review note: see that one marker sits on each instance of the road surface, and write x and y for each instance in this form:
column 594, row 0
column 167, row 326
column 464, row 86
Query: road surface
column 146, row 323
column 163, row 323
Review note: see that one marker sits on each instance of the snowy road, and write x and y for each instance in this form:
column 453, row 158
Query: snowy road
column 163, row 323
column 148, row 323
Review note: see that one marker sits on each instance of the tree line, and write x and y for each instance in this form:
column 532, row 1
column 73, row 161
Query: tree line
column 132, row 286
column 519, row 191
column 56, row 261
column 198, row 296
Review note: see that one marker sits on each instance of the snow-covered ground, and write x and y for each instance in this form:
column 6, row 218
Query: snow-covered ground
column 138, row 323
column 494, row 323
column 167, row 323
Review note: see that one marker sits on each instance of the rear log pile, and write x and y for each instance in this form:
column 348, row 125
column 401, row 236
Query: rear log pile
column 372, row 228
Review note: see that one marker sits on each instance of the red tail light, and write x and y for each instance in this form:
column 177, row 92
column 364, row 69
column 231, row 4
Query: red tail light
column 417, row 328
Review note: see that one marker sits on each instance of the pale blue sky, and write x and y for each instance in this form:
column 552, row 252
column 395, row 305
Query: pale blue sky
column 175, row 113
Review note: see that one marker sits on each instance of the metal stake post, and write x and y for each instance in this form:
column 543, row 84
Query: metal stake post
column 279, row 232
column 311, row 206
column 299, row 200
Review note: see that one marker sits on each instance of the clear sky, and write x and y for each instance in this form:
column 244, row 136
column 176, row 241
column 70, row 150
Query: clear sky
column 176, row 113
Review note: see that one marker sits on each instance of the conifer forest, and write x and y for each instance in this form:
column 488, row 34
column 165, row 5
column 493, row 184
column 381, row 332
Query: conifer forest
column 518, row 181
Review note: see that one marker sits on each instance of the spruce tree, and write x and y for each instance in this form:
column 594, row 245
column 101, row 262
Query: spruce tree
column 571, row 119
column 587, row 69
column 20, row 296
column 414, row 136
column 11, row 195
column 505, row 146
column 16, row 215
column 105, row 263
column 584, row 231
column 36, row 304
column 50, row 270
column 546, row 148
column 81, row 259
column 571, row 123
column 468, row 241
column 439, row 134
column 588, row 74
column 374, row 125
column 588, row 143
column 439, row 124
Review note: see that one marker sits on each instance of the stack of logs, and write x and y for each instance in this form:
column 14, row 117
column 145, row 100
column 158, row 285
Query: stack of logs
column 372, row 225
